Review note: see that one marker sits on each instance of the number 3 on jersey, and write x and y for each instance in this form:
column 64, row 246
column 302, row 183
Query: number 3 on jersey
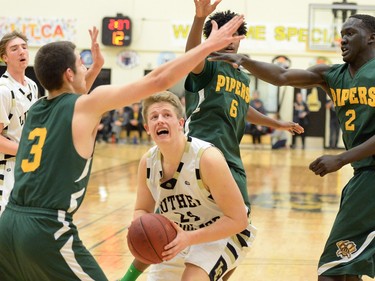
column 36, row 150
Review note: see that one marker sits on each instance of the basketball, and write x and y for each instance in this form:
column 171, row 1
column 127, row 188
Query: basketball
column 148, row 235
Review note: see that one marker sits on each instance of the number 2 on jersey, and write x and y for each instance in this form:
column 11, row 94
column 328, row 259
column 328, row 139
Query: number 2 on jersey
column 349, row 125
column 36, row 150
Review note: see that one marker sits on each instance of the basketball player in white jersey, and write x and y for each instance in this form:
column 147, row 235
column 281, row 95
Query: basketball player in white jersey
column 17, row 94
column 189, row 182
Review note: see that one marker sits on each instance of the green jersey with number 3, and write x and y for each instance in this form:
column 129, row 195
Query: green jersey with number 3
column 47, row 163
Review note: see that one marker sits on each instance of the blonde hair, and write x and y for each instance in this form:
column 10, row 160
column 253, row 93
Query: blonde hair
column 165, row 96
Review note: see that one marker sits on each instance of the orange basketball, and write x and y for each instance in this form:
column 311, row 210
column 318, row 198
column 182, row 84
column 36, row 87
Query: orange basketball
column 148, row 235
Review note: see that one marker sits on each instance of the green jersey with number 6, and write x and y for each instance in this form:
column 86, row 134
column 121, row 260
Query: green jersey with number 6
column 217, row 101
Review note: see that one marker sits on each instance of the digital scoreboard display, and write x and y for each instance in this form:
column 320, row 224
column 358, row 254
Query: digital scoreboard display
column 116, row 31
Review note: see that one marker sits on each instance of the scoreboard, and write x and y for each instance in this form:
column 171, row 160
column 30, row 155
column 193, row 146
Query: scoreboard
column 116, row 31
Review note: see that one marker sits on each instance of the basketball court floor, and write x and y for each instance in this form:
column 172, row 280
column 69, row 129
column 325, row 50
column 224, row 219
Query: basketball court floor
column 293, row 210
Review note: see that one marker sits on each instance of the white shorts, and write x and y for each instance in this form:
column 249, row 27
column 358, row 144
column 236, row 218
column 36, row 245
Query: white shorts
column 216, row 258
column 6, row 185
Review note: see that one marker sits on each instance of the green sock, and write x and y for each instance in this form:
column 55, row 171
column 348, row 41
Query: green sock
column 132, row 274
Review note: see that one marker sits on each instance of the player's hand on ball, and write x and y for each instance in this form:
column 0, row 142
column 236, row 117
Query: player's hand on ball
column 177, row 245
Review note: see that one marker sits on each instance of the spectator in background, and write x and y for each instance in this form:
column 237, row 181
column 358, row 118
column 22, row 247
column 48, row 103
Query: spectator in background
column 105, row 127
column 257, row 131
column 300, row 116
column 257, row 103
column 118, row 122
column 278, row 137
column 334, row 126
column 134, row 122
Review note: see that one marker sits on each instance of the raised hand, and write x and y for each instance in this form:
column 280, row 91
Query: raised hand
column 224, row 36
column 97, row 56
column 203, row 8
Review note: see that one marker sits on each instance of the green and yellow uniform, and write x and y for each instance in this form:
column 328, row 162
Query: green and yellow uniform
column 350, row 248
column 38, row 239
column 217, row 101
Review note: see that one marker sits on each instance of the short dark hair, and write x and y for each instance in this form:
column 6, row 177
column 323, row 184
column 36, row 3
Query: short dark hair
column 368, row 21
column 51, row 61
column 222, row 18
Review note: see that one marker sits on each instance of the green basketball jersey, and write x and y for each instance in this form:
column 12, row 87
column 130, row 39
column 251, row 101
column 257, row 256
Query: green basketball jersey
column 354, row 99
column 49, row 172
column 217, row 101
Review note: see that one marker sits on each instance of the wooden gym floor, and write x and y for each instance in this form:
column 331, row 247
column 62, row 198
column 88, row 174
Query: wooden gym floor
column 292, row 209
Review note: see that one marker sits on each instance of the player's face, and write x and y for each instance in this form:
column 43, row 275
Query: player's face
column 79, row 81
column 354, row 40
column 232, row 47
column 16, row 55
column 162, row 122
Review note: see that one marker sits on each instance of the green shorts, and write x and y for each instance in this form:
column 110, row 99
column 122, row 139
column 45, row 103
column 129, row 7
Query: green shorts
column 350, row 248
column 40, row 244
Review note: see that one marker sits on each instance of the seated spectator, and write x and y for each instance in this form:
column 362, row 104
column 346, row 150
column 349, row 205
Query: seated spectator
column 105, row 127
column 278, row 137
column 118, row 121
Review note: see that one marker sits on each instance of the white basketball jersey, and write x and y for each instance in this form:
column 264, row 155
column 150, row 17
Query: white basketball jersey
column 183, row 198
column 15, row 101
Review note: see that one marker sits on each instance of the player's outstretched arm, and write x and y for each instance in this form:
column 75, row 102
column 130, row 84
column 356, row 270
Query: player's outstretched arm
column 275, row 74
column 108, row 97
column 257, row 118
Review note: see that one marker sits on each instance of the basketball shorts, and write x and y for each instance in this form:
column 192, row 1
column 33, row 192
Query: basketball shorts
column 350, row 248
column 216, row 258
column 39, row 244
column 6, row 181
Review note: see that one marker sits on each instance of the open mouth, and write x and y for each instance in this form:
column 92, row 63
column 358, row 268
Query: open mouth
column 162, row 132
column 344, row 51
